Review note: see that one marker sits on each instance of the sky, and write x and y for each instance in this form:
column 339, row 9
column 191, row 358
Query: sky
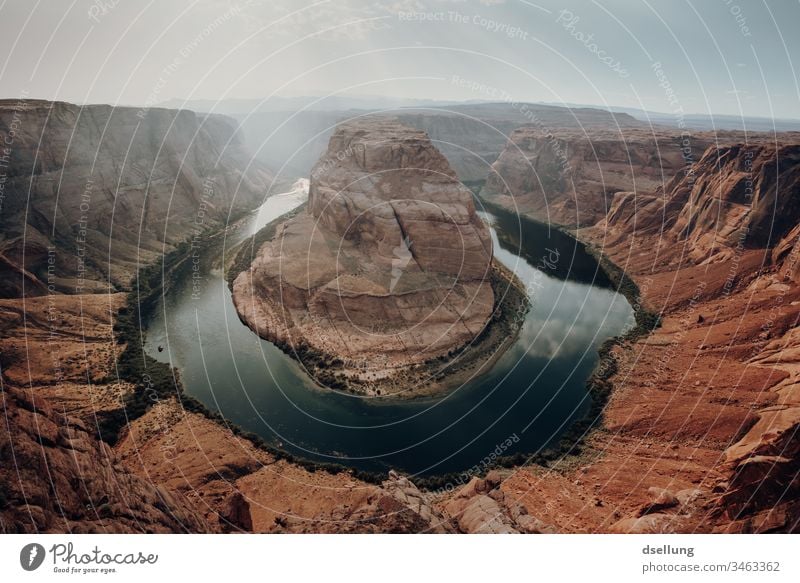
column 732, row 57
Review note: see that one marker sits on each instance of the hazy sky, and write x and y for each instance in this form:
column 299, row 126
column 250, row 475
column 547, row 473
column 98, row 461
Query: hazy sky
column 737, row 57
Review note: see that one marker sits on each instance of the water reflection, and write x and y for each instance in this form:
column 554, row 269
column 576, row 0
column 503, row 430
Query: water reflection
column 534, row 392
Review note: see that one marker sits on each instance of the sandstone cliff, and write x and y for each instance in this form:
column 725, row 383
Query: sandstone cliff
column 571, row 177
column 715, row 251
column 389, row 266
column 56, row 355
column 92, row 193
column 735, row 199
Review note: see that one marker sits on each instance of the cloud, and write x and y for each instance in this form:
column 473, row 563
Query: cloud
column 340, row 19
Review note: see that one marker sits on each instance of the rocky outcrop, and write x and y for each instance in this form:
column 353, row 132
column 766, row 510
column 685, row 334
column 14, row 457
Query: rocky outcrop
column 396, row 506
column 735, row 198
column 389, row 266
column 91, row 193
column 481, row 507
column 57, row 477
column 715, row 252
column 572, row 177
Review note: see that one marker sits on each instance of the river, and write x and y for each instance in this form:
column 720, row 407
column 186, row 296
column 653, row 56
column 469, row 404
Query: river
column 529, row 398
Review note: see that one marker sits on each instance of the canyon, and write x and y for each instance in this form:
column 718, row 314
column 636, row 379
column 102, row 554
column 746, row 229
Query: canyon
column 471, row 136
column 700, row 433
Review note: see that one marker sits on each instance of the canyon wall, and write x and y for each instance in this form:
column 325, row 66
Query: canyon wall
column 470, row 136
column 716, row 253
column 473, row 136
column 571, row 177
column 92, row 193
column 735, row 199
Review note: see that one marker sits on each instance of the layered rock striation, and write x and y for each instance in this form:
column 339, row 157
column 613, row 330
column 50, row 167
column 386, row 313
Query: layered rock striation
column 89, row 194
column 571, row 177
column 388, row 267
column 741, row 197
column 716, row 252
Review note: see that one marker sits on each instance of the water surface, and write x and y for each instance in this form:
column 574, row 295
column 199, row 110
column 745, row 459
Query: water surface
column 534, row 392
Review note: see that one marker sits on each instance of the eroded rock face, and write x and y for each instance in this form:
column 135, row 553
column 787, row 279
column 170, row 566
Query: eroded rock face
column 748, row 194
column 739, row 196
column 97, row 191
column 716, row 252
column 57, row 477
column 388, row 267
column 571, row 177
column 381, row 183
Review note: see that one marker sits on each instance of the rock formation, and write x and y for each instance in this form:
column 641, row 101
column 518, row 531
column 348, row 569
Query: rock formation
column 57, row 355
column 92, row 193
column 570, row 177
column 716, row 252
column 701, row 427
column 473, row 136
column 738, row 196
column 388, row 267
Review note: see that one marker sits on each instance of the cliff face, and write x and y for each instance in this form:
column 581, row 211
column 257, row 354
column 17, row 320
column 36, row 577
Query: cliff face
column 56, row 354
column 389, row 266
column 381, row 183
column 111, row 189
column 716, row 253
column 571, row 177
column 735, row 198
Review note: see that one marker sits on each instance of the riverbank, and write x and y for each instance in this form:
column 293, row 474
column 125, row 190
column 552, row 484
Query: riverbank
column 429, row 379
column 600, row 384
column 493, row 343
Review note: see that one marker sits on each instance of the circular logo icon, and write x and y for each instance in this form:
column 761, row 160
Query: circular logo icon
column 31, row 556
